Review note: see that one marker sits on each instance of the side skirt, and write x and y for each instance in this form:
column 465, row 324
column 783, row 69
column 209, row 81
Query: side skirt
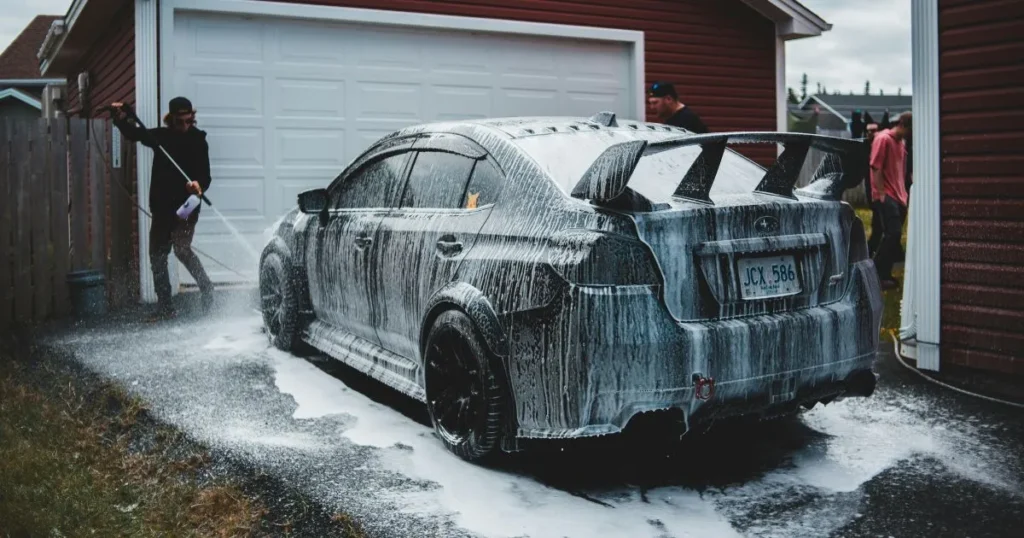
column 394, row 371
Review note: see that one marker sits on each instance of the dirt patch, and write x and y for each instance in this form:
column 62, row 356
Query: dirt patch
column 80, row 456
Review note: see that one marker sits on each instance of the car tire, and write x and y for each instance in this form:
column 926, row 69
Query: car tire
column 465, row 394
column 279, row 304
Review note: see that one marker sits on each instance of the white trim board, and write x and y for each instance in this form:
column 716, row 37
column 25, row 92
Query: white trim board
column 147, row 107
column 151, row 107
column 14, row 93
column 781, row 97
column 924, row 271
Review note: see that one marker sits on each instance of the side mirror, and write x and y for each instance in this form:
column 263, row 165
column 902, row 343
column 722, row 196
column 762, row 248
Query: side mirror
column 313, row 202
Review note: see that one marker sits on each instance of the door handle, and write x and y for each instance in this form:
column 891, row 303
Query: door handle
column 448, row 245
column 363, row 241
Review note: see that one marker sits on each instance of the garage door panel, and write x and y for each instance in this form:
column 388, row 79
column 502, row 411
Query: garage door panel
column 234, row 146
column 226, row 95
column 445, row 103
column 399, row 50
column 302, row 45
column 310, row 98
column 388, row 101
column 288, row 104
column 310, row 147
column 539, row 102
column 227, row 40
column 239, row 197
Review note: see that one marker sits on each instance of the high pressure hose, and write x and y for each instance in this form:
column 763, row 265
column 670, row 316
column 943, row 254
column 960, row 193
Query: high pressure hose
column 899, row 358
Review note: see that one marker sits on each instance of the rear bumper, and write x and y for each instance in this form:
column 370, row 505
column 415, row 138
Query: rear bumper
column 606, row 355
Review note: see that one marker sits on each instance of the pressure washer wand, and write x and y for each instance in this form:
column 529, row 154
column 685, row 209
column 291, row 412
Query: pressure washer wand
column 189, row 204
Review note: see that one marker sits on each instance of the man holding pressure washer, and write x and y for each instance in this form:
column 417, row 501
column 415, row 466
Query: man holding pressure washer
column 181, row 168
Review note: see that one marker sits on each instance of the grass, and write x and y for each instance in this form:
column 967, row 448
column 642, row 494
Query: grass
column 890, row 298
column 67, row 468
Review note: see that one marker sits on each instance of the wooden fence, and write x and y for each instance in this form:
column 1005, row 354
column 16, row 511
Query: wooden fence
column 63, row 209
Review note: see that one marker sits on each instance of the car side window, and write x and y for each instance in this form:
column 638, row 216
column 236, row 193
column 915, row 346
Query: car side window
column 484, row 185
column 375, row 185
column 437, row 180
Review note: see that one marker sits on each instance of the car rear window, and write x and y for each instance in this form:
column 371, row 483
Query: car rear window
column 566, row 156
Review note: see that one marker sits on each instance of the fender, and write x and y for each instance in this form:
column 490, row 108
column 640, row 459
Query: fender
column 475, row 305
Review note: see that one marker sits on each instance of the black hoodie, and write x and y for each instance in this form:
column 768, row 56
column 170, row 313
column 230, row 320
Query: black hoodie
column 167, row 186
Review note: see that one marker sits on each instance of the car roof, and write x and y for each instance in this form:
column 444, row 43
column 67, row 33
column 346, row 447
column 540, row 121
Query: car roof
column 528, row 126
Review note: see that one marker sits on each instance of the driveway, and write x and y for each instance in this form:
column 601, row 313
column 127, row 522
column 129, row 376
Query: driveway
column 913, row 460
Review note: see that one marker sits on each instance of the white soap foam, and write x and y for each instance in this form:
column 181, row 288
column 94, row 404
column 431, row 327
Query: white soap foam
column 484, row 501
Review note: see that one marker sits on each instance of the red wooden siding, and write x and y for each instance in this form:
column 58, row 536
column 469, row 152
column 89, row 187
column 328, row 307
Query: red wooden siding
column 110, row 63
column 720, row 55
column 981, row 70
column 111, row 66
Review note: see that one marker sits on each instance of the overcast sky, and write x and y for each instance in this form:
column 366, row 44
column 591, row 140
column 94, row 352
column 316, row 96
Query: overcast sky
column 869, row 40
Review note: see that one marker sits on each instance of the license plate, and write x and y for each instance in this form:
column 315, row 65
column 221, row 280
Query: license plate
column 762, row 278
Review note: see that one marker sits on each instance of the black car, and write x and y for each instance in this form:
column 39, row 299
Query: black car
column 541, row 278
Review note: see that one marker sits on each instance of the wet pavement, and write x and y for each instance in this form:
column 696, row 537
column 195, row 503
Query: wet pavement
column 913, row 460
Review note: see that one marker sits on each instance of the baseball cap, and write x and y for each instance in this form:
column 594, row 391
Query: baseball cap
column 662, row 89
column 179, row 105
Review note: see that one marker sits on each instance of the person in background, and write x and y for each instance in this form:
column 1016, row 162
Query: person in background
column 663, row 103
column 168, row 190
column 876, row 216
column 889, row 193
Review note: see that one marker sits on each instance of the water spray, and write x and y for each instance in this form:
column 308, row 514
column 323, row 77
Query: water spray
column 193, row 201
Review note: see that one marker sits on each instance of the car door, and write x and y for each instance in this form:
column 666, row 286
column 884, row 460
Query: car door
column 449, row 194
column 338, row 266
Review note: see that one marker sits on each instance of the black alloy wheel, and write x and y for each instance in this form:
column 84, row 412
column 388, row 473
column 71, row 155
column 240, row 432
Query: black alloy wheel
column 278, row 303
column 464, row 396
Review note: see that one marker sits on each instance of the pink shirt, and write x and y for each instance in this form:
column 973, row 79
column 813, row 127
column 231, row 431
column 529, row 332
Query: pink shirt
column 888, row 156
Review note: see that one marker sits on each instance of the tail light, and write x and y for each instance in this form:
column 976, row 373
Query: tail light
column 858, row 241
column 592, row 258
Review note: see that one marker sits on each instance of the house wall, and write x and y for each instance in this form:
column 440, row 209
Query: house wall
column 720, row 55
column 13, row 108
column 111, row 66
column 110, row 63
column 982, row 183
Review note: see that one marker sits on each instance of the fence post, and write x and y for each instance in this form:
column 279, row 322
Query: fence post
column 79, row 195
column 58, row 189
column 23, row 234
column 7, row 208
column 42, row 260
column 98, row 198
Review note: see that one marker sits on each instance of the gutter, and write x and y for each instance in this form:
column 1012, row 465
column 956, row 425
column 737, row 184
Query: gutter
column 31, row 81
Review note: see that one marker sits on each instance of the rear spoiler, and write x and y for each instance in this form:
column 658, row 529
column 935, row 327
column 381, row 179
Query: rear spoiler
column 843, row 167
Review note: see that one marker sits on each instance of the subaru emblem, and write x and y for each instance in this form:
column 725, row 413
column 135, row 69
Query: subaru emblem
column 766, row 225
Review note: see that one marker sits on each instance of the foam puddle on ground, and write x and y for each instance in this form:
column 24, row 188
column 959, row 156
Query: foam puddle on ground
column 863, row 439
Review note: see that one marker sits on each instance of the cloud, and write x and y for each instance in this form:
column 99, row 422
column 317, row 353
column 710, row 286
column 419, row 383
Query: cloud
column 869, row 40
column 15, row 16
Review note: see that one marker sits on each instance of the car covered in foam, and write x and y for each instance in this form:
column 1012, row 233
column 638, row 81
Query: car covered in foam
column 551, row 278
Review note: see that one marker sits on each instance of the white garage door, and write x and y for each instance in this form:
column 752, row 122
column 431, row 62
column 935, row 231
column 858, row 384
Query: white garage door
column 287, row 104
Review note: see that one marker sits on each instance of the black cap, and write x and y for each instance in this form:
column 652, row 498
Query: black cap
column 662, row 89
column 179, row 105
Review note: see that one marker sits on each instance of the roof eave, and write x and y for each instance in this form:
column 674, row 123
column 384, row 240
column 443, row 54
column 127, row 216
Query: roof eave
column 792, row 19
column 63, row 44
column 21, row 96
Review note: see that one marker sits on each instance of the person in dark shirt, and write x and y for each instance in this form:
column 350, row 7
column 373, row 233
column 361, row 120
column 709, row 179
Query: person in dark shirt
column 663, row 103
column 169, row 189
